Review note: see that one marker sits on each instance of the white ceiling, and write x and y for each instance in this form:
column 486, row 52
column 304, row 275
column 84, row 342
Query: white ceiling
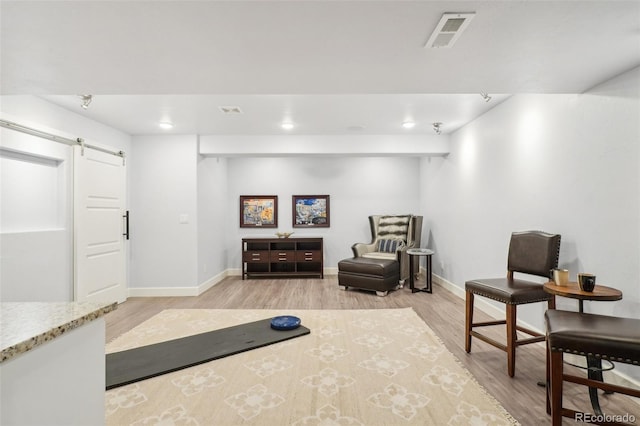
column 329, row 66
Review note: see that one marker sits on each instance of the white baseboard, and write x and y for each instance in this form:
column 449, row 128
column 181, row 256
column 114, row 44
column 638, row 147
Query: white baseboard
column 234, row 272
column 331, row 271
column 481, row 304
column 177, row 291
column 211, row 282
column 195, row 291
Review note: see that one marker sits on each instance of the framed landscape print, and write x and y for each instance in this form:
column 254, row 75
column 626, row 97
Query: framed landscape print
column 310, row 211
column 258, row 211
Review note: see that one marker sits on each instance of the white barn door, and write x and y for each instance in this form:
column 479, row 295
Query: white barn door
column 100, row 226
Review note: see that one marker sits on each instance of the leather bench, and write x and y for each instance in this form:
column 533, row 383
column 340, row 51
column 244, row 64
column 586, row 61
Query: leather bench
column 379, row 275
column 594, row 336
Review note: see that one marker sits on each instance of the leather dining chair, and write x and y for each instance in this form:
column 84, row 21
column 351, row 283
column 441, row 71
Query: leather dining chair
column 531, row 253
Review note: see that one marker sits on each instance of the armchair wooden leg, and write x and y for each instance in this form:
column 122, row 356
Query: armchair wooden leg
column 511, row 339
column 468, row 321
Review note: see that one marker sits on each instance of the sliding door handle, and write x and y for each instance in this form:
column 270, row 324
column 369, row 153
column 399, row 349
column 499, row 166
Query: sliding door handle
column 126, row 224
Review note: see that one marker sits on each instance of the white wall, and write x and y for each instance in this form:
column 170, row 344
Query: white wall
column 164, row 192
column 561, row 163
column 36, row 249
column 358, row 187
column 214, row 217
column 35, row 221
column 169, row 179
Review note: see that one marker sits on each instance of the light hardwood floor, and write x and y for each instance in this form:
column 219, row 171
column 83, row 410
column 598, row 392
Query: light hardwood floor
column 442, row 311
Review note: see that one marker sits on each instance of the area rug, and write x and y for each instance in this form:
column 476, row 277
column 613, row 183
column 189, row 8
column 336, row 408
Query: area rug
column 357, row 367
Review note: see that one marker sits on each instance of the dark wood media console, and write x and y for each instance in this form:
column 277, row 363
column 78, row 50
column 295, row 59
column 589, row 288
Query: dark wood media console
column 267, row 257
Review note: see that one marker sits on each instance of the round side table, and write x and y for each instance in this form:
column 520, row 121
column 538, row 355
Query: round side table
column 420, row 252
column 572, row 290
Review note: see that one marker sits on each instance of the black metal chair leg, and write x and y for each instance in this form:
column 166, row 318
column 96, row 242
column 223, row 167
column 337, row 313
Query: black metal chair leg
column 594, row 372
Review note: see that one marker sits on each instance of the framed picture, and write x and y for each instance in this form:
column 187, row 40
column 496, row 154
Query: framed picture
column 310, row 211
column 258, row 211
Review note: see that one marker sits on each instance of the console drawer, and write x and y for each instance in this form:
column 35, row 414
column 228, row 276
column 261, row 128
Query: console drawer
column 282, row 256
column 309, row 256
column 255, row 256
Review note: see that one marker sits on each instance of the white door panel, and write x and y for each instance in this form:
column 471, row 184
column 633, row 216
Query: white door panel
column 105, row 225
column 99, row 186
column 105, row 278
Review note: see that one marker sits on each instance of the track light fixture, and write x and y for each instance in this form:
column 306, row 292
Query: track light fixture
column 485, row 96
column 86, row 100
column 436, row 128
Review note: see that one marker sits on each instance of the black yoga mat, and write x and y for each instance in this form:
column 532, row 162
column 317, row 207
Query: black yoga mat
column 149, row 361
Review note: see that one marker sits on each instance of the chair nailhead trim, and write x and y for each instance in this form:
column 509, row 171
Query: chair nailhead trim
column 607, row 357
column 509, row 303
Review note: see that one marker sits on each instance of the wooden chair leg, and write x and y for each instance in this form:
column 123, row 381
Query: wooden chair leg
column 551, row 304
column 468, row 321
column 556, row 366
column 548, row 377
column 511, row 339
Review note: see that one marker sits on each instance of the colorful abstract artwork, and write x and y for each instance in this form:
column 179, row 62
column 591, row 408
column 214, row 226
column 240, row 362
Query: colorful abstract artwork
column 310, row 211
column 258, row 210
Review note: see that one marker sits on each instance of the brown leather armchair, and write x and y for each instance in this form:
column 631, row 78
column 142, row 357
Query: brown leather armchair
column 391, row 236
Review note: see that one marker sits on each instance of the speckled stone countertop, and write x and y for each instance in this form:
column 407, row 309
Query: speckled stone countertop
column 25, row 325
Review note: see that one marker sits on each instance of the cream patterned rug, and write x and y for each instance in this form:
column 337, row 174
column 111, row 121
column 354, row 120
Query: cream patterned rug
column 357, row 367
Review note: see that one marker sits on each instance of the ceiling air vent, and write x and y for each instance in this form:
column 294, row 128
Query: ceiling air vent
column 449, row 29
column 231, row 109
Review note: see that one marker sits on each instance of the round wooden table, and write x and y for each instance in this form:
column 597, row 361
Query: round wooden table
column 572, row 290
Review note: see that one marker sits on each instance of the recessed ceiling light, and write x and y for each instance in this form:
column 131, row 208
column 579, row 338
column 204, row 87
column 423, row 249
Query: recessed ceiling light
column 408, row 124
column 230, row 109
column 287, row 126
column 166, row 125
